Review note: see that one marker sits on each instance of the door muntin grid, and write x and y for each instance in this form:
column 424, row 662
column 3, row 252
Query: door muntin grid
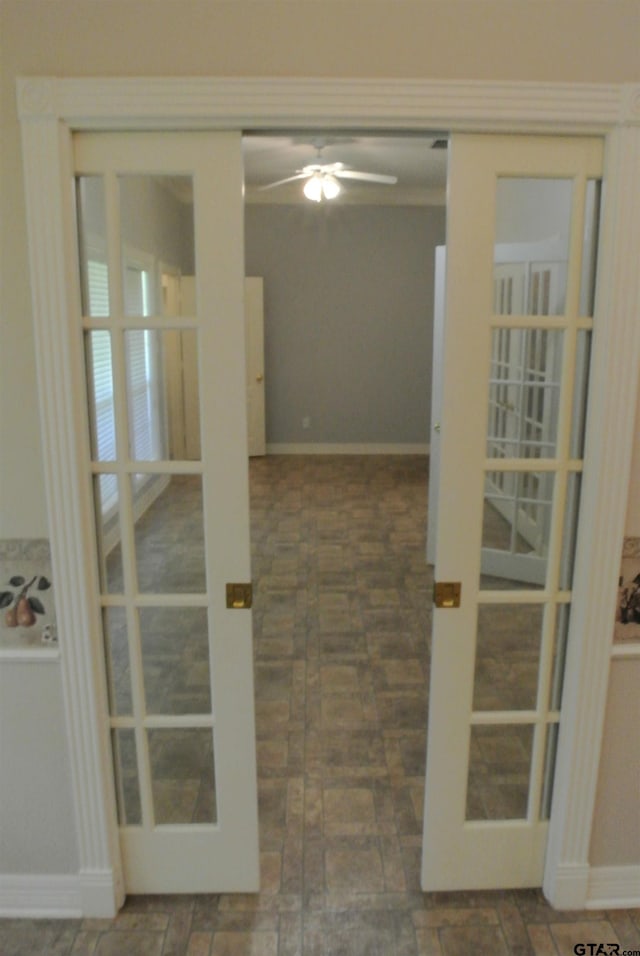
column 148, row 504
column 537, row 387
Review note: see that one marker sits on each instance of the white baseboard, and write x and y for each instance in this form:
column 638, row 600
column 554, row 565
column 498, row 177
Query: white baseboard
column 40, row 896
column 614, row 887
column 566, row 886
column 346, row 448
column 65, row 896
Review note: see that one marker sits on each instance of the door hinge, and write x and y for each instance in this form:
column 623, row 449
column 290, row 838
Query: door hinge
column 239, row 596
column 447, row 594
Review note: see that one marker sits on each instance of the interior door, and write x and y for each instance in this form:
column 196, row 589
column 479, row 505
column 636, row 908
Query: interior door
column 512, row 424
column 171, row 533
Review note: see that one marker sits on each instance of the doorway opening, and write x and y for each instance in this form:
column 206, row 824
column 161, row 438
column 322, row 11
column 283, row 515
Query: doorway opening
column 339, row 505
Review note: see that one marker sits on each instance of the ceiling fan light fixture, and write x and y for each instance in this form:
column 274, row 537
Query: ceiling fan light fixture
column 313, row 188
column 330, row 187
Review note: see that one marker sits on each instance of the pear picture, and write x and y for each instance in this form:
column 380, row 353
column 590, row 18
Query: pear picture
column 11, row 617
column 21, row 608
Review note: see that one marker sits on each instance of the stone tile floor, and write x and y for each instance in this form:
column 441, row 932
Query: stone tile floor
column 348, row 924
column 341, row 618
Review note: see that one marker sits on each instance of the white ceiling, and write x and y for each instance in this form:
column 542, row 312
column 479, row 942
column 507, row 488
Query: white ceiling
column 421, row 170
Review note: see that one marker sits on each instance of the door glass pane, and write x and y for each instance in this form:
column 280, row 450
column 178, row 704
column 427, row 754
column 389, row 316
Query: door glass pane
column 559, row 655
column 107, row 512
column 531, row 245
column 570, row 531
column 515, row 528
column 116, row 653
column 125, row 771
column 507, row 656
column 157, row 240
column 163, row 406
column 180, row 371
column 92, row 241
column 175, row 660
column 551, row 747
column 169, row 533
column 524, row 392
column 590, row 247
column 100, row 394
column 580, row 391
column 183, row 775
column 145, row 395
column 499, row 771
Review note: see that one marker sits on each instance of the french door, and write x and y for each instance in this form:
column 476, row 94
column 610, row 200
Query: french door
column 521, row 243
column 172, row 533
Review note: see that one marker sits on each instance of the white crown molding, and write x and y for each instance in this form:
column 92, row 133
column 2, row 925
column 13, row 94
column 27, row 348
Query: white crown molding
column 215, row 102
column 630, row 105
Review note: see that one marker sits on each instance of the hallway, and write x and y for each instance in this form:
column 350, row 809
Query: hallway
column 341, row 623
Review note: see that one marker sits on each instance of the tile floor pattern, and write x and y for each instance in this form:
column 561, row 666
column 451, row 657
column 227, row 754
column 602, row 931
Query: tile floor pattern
column 342, row 618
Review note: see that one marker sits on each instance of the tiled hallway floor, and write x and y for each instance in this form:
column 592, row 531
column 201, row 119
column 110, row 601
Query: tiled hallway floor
column 341, row 621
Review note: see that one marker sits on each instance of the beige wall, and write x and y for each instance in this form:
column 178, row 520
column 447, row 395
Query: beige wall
column 633, row 508
column 482, row 39
column 616, row 829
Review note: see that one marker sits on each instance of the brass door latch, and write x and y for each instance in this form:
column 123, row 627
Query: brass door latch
column 239, row 596
column 447, row 594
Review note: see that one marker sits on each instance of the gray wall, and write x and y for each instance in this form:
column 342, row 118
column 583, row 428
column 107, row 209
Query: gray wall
column 348, row 319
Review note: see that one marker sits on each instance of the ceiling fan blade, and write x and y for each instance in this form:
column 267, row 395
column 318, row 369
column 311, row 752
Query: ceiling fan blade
column 366, row 177
column 281, row 182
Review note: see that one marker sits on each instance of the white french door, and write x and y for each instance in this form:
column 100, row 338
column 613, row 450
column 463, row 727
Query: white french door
column 171, row 533
column 516, row 354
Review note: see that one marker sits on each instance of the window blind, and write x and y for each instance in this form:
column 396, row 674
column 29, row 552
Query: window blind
column 143, row 377
column 101, row 367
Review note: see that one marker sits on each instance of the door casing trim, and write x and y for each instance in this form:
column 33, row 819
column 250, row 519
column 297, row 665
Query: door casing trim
column 52, row 108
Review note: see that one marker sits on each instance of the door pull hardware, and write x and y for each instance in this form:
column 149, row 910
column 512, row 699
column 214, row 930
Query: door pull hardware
column 436, row 427
column 446, row 594
column 259, row 378
column 239, row 596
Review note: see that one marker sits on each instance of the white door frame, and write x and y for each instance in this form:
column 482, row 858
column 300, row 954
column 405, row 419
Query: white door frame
column 51, row 109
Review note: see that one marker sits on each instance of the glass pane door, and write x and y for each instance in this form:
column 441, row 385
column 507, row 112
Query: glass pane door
column 520, row 255
column 171, row 527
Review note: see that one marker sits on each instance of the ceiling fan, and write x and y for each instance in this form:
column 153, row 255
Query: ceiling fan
column 322, row 179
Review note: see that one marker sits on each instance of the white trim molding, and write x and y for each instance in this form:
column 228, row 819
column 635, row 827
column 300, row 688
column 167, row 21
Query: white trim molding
column 40, row 896
column 614, row 886
column 613, row 387
column 52, row 108
column 57, row 896
column 347, row 448
column 223, row 102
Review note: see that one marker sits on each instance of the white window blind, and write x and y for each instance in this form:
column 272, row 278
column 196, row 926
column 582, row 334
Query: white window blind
column 143, row 370
column 104, row 413
column 144, row 394
column 98, row 280
column 143, row 376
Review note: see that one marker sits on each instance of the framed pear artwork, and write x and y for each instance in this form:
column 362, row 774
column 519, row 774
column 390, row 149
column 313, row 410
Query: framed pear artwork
column 26, row 600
